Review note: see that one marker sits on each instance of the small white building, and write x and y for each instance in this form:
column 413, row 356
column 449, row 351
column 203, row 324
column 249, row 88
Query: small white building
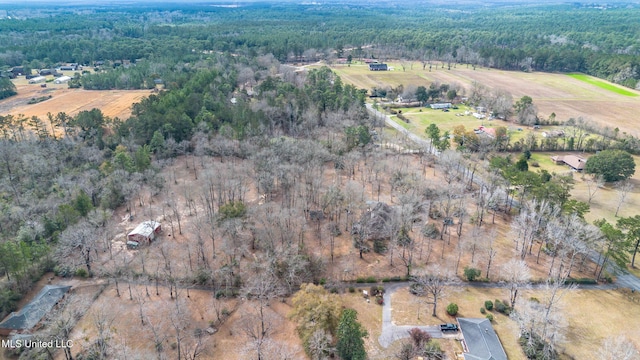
column 62, row 79
column 145, row 231
column 37, row 80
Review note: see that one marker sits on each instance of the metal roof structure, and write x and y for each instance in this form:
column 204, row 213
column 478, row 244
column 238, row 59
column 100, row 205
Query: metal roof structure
column 31, row 314
column 145, row 228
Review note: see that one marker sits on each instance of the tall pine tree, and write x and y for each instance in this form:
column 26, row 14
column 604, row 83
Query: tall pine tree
column 350, row 337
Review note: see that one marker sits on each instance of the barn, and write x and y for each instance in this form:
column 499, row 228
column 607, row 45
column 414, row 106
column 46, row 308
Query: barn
column 145, row 231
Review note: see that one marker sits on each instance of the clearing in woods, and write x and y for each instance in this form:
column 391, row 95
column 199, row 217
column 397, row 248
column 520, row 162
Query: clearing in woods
column 566, row 96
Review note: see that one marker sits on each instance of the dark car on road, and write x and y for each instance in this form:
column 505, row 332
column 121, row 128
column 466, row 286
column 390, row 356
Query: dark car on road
column 448, row 327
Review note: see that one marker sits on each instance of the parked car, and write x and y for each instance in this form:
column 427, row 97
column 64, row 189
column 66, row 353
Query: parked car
column 448, row 327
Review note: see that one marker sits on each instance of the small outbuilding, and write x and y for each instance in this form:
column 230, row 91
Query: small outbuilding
column 145, row 231
column 480, row 341
column 440, row 106
column 37, row 80
column 62, row 80
column 32, row 313
column 378, row 67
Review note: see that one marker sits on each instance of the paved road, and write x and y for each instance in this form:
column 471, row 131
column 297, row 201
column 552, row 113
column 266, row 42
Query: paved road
column 623, row 277
column 413, row 137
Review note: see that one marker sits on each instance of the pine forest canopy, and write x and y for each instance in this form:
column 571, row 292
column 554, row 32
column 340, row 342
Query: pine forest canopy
column 547, row 37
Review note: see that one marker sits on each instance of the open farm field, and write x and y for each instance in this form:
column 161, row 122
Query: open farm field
column 566, row 96
column 604, row 85
column 112, row 103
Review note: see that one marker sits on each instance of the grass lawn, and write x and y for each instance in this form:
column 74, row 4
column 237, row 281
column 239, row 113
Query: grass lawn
column 602, row 84
column 586, row 329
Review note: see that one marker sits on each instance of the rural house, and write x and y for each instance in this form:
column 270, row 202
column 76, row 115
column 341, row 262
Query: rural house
column 575, row 162
column 31, row 314
column 145, row 231
column 480, row 341
column 378, row 67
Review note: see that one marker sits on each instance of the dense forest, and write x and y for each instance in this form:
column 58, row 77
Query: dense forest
column 566, row 38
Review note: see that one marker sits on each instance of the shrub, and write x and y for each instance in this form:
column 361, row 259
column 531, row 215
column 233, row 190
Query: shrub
column 379, row 246
column 82, row 273
column 352, row 289
column 483, row 311
column 502, row 307
column 488, row 304
column 419, row 337
column 380, row 300
column 231, row 210
column 376, row 290
column 452, row 309
column 416, row 289
column 471, row 273
column 490, row 317
column 430, row 230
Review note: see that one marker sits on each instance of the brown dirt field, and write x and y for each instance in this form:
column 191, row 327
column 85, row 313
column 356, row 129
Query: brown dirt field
column 558, row 93
column 112, row 103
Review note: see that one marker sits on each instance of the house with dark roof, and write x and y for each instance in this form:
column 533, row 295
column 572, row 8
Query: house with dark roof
column 32, row 313
column 480, row 341
column 378, row 67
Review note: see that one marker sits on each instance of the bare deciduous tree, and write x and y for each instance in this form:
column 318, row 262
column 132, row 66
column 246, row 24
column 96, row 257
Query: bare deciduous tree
column 624, row 188
column 517, row 275
column 432, row 286
column 594, row 183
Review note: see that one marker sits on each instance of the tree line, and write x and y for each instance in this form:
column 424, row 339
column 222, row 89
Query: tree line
column 532, row 39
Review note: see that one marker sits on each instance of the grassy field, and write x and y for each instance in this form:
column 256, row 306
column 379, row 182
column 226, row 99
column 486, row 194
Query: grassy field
column 566, row 96
column 603, row 85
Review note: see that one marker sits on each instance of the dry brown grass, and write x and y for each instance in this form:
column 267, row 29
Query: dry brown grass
column 112, row 103
column 592, row 316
